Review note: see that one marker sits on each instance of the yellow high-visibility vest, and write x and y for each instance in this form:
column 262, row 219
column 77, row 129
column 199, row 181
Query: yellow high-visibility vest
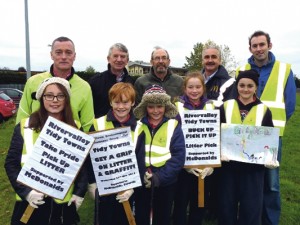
column 254, row 116
column 30, row 136
column 273, row 93
column 158, row 147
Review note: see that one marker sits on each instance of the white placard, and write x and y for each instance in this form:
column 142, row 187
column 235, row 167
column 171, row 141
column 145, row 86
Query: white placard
column 250, row 144
column 114, row 161
column 56, row 158
column 201, row 129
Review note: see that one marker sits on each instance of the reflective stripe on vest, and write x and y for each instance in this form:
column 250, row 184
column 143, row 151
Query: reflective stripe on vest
column 223, row 88
column 102, row 124
column 254, row 116
column 158, row 148
column 273, row 93
column 29, row 137
column 28, row 140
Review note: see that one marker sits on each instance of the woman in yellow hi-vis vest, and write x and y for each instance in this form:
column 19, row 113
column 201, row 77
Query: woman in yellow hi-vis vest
column 187, row 185
column 241, row 184
column 122, row 98
column 54, row 96
column 160, row 152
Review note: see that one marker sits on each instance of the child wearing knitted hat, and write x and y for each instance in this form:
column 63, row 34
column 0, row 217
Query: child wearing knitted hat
column 54, row 96
column 242, row 184
column 160, row 154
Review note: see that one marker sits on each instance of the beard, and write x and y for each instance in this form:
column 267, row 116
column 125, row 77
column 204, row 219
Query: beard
column 161, row 69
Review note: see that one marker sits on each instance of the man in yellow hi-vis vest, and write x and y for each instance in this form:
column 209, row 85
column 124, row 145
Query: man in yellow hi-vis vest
column 277, row 90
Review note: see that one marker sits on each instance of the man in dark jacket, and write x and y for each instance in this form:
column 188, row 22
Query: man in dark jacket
column 219, row 87
column 217, row 80
column 159, row 74
column 100, row 83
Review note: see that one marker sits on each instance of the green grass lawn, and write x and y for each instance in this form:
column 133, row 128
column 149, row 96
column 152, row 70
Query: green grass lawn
column 290, row 179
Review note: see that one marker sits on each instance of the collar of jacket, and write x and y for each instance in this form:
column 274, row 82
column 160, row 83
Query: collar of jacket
column 270, row 62
column 68, row 78
column 187, row 104
column 131, row 122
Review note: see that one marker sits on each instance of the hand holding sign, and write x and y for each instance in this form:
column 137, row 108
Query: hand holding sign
column 122, row 197
column 35, row 199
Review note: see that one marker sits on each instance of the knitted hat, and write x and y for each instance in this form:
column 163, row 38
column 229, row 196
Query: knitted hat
column 52, row 80
column 251, row 74
column 155, row 94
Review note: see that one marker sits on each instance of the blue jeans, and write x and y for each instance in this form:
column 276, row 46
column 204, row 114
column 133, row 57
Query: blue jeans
column 272, row 205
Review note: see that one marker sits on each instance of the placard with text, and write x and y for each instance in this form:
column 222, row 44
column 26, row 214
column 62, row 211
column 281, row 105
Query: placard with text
column 201, row 129
column 56, row 158
column 114, row 161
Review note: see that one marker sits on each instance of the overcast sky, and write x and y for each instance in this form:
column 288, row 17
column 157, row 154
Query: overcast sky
column 177, row 25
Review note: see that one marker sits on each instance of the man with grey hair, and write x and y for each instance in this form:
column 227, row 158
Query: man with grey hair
column 219, row 87
column 159, row 74
column 100, row 83
column 217, row 80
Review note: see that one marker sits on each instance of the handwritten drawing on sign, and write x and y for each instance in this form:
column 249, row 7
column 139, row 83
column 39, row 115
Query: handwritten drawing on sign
column 201, row 129
column 250, row 144
column 57, row 156
column 114, row 161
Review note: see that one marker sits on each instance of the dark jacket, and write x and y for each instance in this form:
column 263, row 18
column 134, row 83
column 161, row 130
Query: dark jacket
column 167, row 174
column 100, row 84
column 214, row 84
column 50, row 211
column 172, row 84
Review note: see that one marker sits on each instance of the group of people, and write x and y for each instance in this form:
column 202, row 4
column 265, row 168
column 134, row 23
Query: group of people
column 263, row 93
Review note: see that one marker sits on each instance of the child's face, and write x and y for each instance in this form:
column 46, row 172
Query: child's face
column 246, row 89
column 56, row 105
column 155, row 112
column 121, row 108
column 194, row 89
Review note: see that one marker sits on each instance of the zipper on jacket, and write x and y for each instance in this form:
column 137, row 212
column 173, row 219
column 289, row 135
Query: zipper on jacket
column 51, row 210
column 62, row 214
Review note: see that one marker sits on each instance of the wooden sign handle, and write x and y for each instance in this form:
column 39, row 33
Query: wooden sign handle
column 130, row 217
column 27, row 214
column 200, row 192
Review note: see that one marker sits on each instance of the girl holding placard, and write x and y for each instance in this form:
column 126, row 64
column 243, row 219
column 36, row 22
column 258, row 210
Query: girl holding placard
column 54, row 96
column 187, row 185
column 241, row 184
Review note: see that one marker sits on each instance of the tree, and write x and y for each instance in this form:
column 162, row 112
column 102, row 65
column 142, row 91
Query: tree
column 194, row 62
column 90, row 69
column 21, row 69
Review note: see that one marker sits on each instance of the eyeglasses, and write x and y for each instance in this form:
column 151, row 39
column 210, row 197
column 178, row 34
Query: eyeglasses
column 51, row 97
column 163, row 58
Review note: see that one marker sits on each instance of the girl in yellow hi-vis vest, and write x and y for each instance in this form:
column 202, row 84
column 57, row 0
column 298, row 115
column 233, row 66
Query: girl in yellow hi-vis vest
column 54, row 96
column 241, row 184
column 187, row 185
column 160, row 152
